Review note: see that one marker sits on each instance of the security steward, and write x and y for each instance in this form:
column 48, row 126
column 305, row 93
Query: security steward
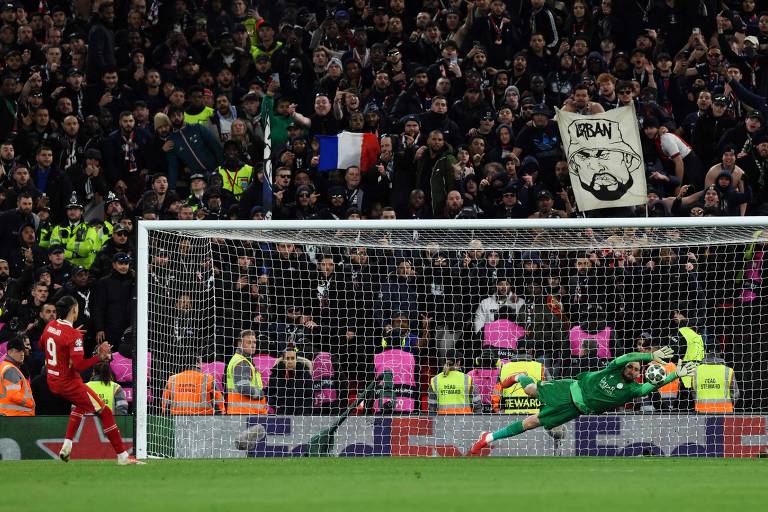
column 694, row 343
column 110, row 392
column 192, row 392
column 15, row 391
column 235, row 174
column 451, row 392
column 714, row 386
column 245, row 391
column 513, row 400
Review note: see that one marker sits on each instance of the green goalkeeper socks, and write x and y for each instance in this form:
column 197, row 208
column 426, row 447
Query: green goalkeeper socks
column 524, row 380
column 510, row 430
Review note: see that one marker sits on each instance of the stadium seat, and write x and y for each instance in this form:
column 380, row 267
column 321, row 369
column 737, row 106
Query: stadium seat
column 122, row 368
column 403, row 367
column 324, row 381
column 264, row 364
column 502, row 334
column 582, row 342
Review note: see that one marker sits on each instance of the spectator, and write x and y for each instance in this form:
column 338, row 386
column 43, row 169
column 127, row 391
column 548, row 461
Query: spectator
column 12, row 222
column 113, row 298
column 290, row 385
column 489, row 306
column 29, row 256
column 195, row 148
column 101, row 42
column 434, row 168
column 51, row 182
column 118, row 242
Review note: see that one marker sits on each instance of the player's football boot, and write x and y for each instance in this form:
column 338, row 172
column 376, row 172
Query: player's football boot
column 130, row 460
column 65, row 452
column 479, row 446
column 511, row 380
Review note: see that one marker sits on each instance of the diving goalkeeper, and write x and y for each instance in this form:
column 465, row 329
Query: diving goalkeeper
column 589, row 393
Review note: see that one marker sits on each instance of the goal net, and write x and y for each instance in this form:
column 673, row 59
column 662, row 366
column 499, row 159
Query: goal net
column 345, row 324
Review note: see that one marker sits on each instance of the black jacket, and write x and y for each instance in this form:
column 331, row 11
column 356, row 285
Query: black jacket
column 11, row 223
column 290, row 395
column 102, row 266
column 707, row 133
column 101, row 51
column 83, row 296
column 112, row 305
column 451, row 131
column 58, row 188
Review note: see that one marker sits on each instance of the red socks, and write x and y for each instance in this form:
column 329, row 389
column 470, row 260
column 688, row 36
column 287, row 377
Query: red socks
column 75, row 417
column 111, row 430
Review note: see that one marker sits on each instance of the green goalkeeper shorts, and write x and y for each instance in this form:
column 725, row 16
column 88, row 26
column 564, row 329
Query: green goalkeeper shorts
column 557, row 407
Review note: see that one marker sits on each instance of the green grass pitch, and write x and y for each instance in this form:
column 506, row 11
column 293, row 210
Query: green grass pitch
column 389, row 484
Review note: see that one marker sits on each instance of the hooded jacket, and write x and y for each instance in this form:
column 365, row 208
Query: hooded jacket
column 195, row 147
column 441, row 179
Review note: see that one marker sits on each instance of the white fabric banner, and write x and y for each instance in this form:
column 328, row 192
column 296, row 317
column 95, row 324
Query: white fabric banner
column 605, row 158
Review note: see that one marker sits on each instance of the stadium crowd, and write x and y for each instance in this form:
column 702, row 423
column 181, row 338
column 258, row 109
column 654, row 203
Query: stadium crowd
column 153, row 109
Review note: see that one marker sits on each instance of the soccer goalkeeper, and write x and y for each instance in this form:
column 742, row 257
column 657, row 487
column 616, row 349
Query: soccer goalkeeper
column 589, row 393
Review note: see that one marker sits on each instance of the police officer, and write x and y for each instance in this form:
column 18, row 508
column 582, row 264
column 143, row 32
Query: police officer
column 80, row 240
column 451, row 391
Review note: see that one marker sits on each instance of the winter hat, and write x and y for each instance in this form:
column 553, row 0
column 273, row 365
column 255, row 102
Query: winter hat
column 161, row 120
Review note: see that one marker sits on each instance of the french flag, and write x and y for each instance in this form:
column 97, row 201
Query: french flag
column 348, row 149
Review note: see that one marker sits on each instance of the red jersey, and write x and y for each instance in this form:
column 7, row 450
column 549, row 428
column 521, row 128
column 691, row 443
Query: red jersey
column 63, row 347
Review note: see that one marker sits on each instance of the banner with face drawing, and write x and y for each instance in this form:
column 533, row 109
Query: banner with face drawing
column 605, row 158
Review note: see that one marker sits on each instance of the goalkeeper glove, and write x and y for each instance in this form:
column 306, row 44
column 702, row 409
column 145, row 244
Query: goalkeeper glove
column 687, row 369
column 663, row 353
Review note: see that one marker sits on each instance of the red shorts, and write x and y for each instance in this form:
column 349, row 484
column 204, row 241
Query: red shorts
column 79, row 394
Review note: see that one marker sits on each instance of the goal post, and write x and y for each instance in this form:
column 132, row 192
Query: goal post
column 334, row 305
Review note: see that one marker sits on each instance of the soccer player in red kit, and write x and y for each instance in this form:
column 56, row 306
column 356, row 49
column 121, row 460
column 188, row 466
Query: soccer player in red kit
column 64, row 360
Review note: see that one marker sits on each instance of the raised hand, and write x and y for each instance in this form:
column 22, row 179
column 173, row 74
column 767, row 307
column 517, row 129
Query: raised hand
column 687, row 370
column 663, row 353
column 105, row 351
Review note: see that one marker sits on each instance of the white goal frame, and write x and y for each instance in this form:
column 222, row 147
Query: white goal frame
column 144, row 228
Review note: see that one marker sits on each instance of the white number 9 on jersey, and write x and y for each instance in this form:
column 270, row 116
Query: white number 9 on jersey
column 50, row 347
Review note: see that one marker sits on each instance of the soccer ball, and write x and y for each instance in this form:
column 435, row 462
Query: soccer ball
column 250, row 438
column 655, row 374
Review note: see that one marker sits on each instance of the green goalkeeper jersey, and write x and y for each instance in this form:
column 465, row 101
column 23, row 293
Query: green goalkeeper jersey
column 604, row 390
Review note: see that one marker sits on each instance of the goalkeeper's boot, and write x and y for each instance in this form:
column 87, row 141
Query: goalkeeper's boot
column 477, row 448
column 511, row 380
column 66, row 450
column 123, row 459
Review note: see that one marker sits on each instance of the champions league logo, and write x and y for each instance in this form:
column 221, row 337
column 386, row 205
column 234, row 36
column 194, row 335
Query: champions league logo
column 602, row 161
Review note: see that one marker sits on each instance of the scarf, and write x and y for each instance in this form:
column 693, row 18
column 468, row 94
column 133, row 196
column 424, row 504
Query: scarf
column 128, row 147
